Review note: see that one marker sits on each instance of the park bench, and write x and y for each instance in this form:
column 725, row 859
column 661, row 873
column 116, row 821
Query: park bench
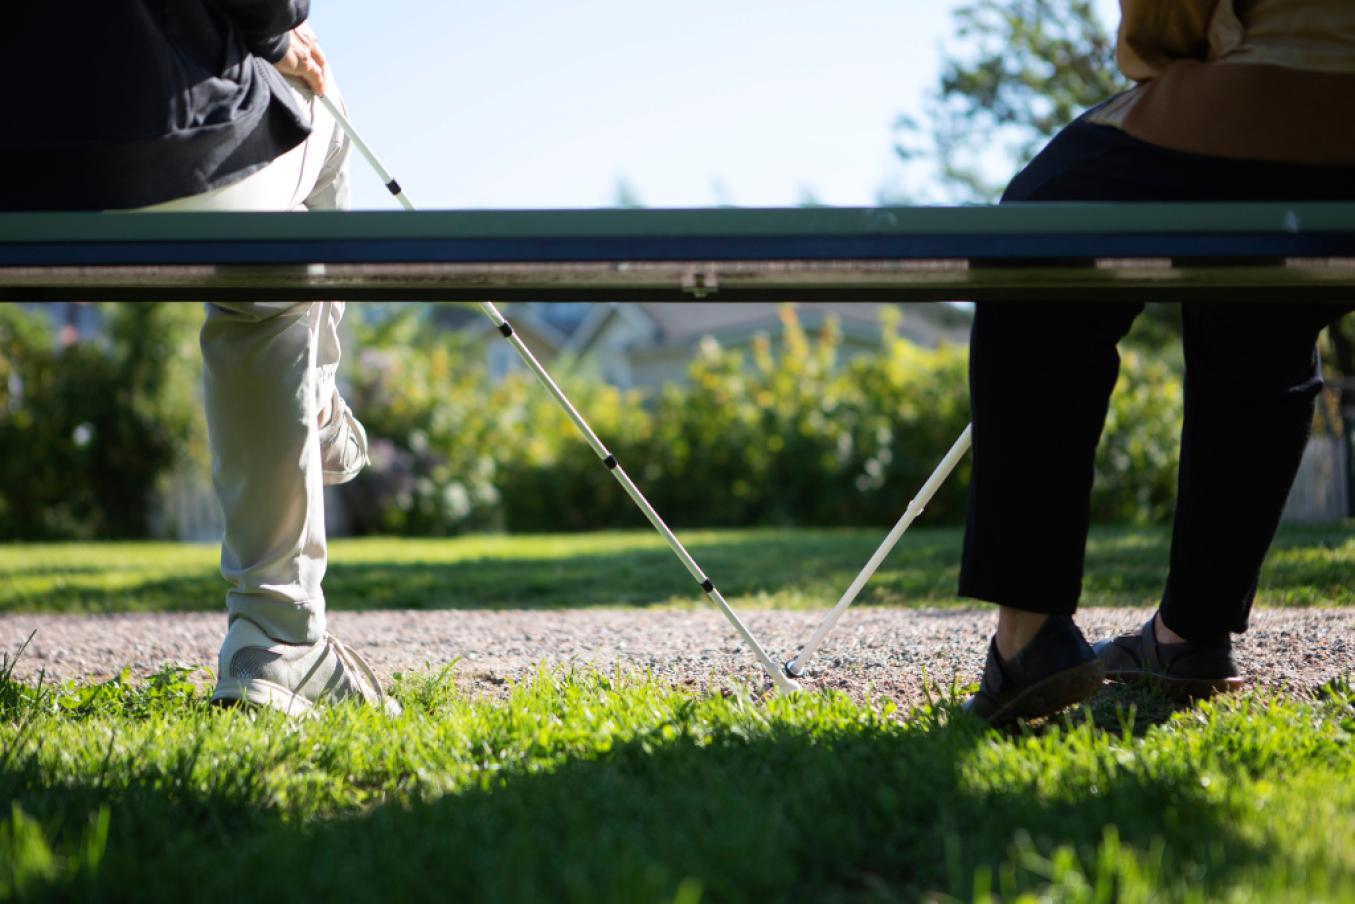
column 1233, row 252
column 1085, row 252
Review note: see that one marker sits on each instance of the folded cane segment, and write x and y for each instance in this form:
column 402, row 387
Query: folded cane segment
column 797, row 666
column 391, row 185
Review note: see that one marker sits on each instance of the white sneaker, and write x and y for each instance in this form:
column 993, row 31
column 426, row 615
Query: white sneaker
column 255, row 668
column 343, row 444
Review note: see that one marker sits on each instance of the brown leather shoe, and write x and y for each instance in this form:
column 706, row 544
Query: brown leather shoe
column 1056, row 669
column 1182, row 671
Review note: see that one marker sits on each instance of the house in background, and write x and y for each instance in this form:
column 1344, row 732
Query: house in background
column 545, row 328
column 649, row 344
column 72, row 321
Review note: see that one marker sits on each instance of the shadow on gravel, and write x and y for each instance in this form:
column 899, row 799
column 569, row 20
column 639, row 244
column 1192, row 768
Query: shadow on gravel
column 869, row 812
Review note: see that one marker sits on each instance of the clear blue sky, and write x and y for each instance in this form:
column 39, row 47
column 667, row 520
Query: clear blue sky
column 525, row 103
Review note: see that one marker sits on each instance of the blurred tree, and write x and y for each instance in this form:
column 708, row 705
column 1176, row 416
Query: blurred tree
column 1028, row 68
column 625, row 196
column 808, row 197
column 152, row 420
column 1340, row 350
column 90, row 428
column 1338, row 358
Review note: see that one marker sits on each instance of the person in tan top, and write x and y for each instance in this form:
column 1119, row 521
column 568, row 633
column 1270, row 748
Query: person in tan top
column 1247, row 79
column 1237, row 100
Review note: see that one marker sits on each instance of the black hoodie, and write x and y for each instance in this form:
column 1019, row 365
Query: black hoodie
column 124, row 103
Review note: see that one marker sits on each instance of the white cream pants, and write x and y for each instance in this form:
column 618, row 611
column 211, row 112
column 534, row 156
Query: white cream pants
column 268, row 371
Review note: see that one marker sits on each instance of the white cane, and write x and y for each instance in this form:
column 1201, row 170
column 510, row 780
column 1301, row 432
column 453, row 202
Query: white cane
column 779, row 678
column 391, row 185
column 797, row 666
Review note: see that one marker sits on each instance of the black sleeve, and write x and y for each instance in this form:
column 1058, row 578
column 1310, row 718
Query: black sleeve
column 265, row 23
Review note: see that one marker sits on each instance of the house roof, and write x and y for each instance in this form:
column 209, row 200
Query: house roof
column 525, row 319
column 680, row 324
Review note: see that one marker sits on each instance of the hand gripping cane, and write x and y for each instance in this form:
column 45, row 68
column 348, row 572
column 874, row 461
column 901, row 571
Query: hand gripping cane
column 779, row 678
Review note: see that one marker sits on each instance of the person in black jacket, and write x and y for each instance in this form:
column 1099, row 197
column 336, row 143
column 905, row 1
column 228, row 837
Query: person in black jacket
column 161, row 101
column 211, row 105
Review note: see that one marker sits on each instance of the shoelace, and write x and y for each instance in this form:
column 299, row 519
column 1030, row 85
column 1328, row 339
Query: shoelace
column 357, row 666
column 338, row 418
column 340, row 425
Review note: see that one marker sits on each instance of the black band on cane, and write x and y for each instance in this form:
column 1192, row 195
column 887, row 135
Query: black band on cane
column 393, row 187
column 611, row 462
column 506, row 328
column 708, row 585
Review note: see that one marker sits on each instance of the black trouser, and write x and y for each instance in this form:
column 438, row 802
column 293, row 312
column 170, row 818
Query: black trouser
column 1040, row 382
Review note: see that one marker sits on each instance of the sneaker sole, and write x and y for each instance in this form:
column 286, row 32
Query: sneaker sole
column 1180, row 688
column 1044, row 698
column 338, row 478
column 275, row 696
column 257, row 692
column 331, row 477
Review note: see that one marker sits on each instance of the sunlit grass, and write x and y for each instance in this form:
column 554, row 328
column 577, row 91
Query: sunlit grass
column 1309, row 566
column 590, row 787
column 581, row 786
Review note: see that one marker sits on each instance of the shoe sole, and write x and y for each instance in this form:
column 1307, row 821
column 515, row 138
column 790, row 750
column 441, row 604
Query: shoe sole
column 333, row 478
column 338, row 478
column 257, row 692
column 1185, row 689
column 1046, row 697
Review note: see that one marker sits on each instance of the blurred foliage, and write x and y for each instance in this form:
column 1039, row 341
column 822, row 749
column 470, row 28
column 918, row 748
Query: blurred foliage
column 1027, row 69
column 1017, row 73
column 433, row 425
column 1137, row 460
column 89, row 429
column 782, row 435
column 1338, row 357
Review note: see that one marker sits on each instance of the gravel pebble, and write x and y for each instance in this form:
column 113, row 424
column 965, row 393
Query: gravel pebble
column 873, row 652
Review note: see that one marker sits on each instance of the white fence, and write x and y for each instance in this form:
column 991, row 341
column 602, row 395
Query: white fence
column 186, row 509
column 1321, row 492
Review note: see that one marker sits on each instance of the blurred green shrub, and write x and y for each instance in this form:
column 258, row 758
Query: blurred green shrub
column 434, row 424
column 89, row 428
column 1140, row 447
column 781, row 435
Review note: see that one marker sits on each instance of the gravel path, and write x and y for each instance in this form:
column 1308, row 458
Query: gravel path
column 873, row 651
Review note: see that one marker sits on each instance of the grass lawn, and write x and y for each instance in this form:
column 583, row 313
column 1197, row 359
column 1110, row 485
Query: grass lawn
column 589, row 787
column 790, row 569
column 586, row 787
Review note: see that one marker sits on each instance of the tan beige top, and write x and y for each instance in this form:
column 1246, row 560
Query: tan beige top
column 1256, row 79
